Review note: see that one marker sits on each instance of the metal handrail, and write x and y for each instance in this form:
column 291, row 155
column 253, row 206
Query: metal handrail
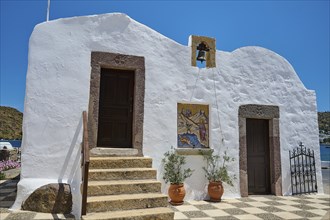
column 85, row 163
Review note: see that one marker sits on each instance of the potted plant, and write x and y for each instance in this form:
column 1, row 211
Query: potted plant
column 176, row 175
column 217, row 172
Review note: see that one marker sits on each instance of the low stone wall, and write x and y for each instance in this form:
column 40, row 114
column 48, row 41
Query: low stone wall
column 325, row 164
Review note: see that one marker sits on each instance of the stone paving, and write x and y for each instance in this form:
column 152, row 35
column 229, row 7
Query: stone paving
column 253, row 207
column 257, row 207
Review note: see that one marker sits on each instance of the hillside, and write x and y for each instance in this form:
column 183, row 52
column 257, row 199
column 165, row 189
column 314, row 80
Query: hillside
column 324, row 127
column 10, row 123
column 324, row 122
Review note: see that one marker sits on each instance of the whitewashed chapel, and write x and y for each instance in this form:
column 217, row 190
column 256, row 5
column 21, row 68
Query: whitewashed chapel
column 143, row 93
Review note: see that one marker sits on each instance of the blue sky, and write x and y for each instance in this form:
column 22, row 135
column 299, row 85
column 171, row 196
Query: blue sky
column 297, row 30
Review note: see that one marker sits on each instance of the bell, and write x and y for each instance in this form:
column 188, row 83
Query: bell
column 202, row 49
column 201, row 56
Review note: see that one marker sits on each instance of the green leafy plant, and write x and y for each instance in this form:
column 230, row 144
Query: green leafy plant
column 173, row 170
column 2, row 176
column 216, row 171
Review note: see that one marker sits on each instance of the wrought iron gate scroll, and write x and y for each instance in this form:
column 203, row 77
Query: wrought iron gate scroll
column 303, row 173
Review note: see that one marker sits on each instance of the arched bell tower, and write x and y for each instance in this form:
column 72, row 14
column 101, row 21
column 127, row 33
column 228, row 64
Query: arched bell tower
column 203, row 45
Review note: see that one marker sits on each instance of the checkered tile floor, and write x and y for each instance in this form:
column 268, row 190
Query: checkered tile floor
column 253, row 207
column 257, row 207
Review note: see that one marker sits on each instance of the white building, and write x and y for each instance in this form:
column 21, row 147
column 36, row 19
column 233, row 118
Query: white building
column 251, row 93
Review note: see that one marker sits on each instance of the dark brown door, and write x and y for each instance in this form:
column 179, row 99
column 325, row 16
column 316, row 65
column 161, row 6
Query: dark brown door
column 115, row 108
column 258, row 156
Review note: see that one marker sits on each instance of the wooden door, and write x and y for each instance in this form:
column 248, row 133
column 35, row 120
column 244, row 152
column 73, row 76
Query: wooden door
column 115, row 108
column 258, row 156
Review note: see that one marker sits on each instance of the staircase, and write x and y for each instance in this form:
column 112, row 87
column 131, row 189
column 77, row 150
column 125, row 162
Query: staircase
column 125, row 188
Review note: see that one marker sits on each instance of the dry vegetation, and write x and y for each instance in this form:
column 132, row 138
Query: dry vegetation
column 10, row 123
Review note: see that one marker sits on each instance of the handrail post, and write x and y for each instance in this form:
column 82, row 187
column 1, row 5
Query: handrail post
column 85, row 164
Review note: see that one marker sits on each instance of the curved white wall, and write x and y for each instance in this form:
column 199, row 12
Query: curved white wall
column 57, row 92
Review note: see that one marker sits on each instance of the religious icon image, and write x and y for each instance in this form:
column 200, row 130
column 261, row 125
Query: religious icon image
column 193, row 125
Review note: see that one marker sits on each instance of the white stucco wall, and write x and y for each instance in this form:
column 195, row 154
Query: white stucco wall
column 57, row 92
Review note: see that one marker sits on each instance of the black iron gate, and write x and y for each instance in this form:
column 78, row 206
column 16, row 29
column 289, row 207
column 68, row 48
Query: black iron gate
column 303, row 173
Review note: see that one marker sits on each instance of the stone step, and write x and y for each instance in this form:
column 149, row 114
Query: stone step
column 113, row 152
column 122, row 174
column 126, row 202
column 97, row 188
column 119, row 162
column 162, row 213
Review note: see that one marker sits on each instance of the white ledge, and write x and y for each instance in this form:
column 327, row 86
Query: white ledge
column 192, row 151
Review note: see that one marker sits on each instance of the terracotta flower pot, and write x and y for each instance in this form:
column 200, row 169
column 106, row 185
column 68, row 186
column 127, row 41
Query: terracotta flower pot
column 176, row 192
column 215, row 190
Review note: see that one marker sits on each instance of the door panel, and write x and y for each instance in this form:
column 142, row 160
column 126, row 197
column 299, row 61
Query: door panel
column 258, row 156
column 115, row 108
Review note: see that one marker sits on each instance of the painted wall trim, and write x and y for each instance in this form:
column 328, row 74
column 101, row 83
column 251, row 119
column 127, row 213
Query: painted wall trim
column 272, row 114
column 117, row 61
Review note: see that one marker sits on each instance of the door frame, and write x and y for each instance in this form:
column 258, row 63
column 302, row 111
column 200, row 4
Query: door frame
column 272, row 114
column 117, row 61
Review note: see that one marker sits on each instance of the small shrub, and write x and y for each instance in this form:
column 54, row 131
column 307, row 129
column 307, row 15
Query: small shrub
column 173, row 171
column 2, row 176
column 215, row 170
